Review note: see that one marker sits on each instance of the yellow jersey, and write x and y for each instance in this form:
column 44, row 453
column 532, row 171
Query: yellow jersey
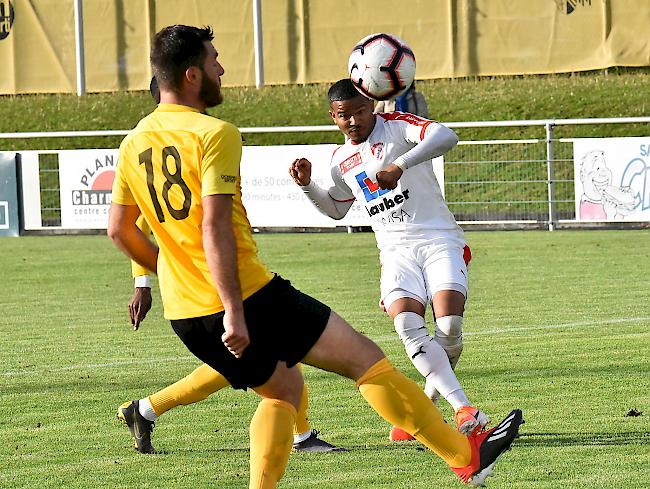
column 174, row 157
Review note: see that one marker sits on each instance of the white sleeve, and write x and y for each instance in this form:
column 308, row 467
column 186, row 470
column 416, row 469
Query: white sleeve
column 436, row 140
column 336, row 201
column 325, row 203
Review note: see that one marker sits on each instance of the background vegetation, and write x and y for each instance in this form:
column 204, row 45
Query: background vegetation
column 610, row 93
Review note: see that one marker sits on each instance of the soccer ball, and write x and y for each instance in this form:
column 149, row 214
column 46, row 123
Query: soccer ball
column 381, row 66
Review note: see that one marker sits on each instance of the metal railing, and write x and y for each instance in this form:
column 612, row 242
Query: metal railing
column 503, row 181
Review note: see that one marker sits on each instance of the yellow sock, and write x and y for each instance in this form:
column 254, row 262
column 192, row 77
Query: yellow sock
column 402, row 403
column 193, row 388
column 302, row 424
column 271, row 442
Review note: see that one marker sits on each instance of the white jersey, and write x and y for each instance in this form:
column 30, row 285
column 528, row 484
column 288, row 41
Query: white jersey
column 415, row 210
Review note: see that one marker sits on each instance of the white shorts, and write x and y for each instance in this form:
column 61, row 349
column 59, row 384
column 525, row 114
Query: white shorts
column 421, row 270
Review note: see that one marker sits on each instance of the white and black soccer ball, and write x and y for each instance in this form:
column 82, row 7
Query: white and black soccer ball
column 381, row 66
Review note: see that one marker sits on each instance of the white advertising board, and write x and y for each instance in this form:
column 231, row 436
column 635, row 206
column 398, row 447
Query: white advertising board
column 269, row 194
column 612, row 179
column 271, row 197
column 86, row 178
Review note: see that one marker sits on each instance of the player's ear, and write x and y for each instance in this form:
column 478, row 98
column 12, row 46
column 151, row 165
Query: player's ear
column 193, row 75
column 332, row 116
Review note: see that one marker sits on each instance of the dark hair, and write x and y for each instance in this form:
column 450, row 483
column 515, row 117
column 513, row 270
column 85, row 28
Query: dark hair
column 343, row 90
column 174, row 49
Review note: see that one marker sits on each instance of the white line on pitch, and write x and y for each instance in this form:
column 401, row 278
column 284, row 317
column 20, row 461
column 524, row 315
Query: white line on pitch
column 154, row 361
column 94, row 366
column 557, row 326
column 539, row 327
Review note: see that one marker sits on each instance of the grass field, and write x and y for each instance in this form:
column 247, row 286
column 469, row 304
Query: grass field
column 557, row 324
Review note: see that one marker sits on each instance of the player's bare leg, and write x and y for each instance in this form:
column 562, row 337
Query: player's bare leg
column 395, row 397
column 401, row 402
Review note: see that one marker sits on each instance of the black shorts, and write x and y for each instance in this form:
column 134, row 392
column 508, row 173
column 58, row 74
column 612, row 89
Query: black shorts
column 283, row 325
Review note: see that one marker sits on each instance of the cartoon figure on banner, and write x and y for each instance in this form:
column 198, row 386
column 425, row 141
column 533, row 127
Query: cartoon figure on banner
column 600, row 199
column 636, row 176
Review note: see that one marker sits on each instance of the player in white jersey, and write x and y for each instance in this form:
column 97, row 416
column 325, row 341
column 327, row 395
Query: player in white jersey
column 386, row 166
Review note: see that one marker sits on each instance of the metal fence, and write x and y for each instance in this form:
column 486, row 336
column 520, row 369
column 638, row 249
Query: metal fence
column 502, row 182
column 510, row 182
column 517, row 181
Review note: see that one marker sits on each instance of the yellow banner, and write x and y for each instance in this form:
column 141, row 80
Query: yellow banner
column 309, row 41
column 117, row 38
column 501, row 37
column 37, row 52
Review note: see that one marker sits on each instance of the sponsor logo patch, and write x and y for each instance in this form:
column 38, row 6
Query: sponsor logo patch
column 377, row 150
column 350, row 163
column 386, row 204
column 371, row 190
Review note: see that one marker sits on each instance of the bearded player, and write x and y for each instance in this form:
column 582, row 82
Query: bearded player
column 140, row 415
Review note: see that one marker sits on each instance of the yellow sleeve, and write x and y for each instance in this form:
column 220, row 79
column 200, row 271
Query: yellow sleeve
column 121, row 193
column 138, row 270
column 221, row 159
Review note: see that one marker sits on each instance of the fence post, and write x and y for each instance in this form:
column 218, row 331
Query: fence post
column 79, row 47
column 550, row 175
column 258, row 41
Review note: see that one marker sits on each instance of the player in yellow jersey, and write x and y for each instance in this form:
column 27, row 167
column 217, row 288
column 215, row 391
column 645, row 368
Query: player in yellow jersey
column 179, row 168
column 140, row 415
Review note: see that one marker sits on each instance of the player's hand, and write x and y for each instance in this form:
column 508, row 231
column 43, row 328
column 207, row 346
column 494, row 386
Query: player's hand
column 139, row 306
column 387, row 178
column 300, row 171
column 235, row 336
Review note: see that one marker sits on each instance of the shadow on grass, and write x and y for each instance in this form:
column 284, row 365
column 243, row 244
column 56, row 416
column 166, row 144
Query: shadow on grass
column 525, row 440
column 584, row 439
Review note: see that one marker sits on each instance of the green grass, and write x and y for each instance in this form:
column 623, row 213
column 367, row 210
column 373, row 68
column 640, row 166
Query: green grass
column 557, row 324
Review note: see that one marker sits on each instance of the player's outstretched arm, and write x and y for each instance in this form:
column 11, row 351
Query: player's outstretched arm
column 438, row 139
column 300, row 171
